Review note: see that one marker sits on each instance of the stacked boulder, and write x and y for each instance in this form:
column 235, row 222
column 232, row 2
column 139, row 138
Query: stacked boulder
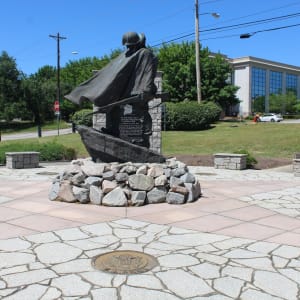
column 125, row 184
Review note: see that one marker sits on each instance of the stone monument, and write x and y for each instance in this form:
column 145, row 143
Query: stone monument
column 121, row 93
column 127, row 168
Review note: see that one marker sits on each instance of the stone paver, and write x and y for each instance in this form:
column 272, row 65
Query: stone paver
column 192, row 265
column 241, row 240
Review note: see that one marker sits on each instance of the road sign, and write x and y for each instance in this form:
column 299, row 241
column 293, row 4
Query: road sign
column 56, row 106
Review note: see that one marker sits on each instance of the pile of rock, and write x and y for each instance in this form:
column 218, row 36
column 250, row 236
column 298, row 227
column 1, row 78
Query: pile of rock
column 125, row 184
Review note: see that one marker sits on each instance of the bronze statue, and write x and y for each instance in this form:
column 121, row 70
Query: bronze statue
column 122, row 90
column 131, row 73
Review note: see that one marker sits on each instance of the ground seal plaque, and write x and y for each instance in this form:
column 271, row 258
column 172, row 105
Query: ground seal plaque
column 124, row 262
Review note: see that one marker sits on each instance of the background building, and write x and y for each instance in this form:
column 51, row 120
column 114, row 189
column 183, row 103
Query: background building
column 258, row 79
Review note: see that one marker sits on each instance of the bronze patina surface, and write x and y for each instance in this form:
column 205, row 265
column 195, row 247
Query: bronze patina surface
column 124, row 262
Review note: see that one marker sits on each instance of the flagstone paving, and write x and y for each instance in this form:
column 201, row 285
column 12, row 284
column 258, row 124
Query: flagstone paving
column 241, row 240
column 192, row 265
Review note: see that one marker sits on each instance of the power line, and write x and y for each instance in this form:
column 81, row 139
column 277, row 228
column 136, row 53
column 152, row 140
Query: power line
column 232, row 27
column 246, row 35
column 261, row 12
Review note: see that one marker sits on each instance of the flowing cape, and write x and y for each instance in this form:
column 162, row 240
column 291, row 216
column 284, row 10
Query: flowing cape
column 123, row 77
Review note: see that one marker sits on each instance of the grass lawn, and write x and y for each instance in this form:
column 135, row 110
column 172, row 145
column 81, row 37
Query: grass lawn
column 274, row 140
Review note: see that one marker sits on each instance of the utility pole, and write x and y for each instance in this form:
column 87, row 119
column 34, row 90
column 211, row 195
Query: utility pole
column 197, row 52
column 57, row 37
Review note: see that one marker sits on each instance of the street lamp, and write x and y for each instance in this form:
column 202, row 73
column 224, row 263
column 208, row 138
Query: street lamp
column 197, row 47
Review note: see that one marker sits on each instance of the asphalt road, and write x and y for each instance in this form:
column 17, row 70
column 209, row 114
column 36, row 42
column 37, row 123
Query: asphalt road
column 29, row 135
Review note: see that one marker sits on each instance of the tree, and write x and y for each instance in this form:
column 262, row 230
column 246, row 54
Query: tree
column 177, row 61
column 283, row 103
column 39, row 91
column 11, row 105
column 179, row 73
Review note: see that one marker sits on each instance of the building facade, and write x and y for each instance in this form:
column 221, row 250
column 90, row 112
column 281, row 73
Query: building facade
column 258, row 78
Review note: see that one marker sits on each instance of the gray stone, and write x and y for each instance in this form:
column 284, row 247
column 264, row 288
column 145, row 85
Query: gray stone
column 81, row 194
column 175, row 181
column 11, row 259
column 108, row 186
column 167, row 172
column 71, row 285
column 155, row 171
column 142, row 170
column 92, row 181
column 78, row 178
column 161, row 180
column 175, row 198
column 276, row 284
column 129, row 169
column 171, row 163
column 130, row 293
column 115, row 198
column 29, row 277
column 229, row 286
column 177, row 260
column 188, row 178
column 95, row 195
column 157, row 195
column 194, row 191
column 138, row 198
column 73, row 169
column 178, row 172
column 141, row 182
column 35, row 291
column 66, row 193
column 121, row 177
column 187, row 287
column 93, row 169
column 14, row 244
column 53, row 193
column 54, row 253
column 109, row 175
column 105, row 294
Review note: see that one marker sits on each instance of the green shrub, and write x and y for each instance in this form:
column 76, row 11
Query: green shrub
column 51, row 151
column 191, row 115
column 250, row 160
column 83, row 117
column 15, row 125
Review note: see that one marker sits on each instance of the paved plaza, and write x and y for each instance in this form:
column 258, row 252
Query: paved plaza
column 241, row 240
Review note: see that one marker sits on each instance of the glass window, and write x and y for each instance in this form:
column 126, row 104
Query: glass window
column 258, row 89
column 275, row 82
column 291, row 83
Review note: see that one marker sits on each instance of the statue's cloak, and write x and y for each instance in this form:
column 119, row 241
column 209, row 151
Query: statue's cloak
column 127, row 75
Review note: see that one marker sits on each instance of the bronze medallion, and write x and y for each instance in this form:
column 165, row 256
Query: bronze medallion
column 124, row 262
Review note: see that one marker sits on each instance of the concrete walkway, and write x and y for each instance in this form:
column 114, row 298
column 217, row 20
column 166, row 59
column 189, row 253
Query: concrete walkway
column 241, row 240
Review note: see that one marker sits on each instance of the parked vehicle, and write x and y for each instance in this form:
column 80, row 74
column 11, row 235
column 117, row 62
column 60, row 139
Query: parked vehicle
column 271, row 117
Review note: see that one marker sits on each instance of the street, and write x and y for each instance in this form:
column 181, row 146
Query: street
column 29, row 135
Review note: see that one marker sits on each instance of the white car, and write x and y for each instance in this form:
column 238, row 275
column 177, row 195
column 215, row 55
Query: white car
column 270, row 117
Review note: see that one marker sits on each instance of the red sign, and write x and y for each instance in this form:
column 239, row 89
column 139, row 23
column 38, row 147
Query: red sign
column 56, row 105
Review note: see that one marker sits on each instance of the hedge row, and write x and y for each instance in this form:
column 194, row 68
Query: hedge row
column 50, row 151
column 179, row 116
column 191, row 115
column 15, row 125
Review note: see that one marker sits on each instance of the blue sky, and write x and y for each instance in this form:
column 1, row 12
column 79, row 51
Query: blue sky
column 95, row 27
